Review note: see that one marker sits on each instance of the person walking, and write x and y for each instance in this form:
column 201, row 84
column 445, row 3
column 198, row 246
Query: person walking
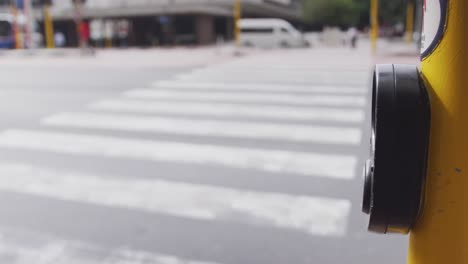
column 353, row 37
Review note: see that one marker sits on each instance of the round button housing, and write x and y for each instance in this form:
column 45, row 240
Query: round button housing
column 394, row 174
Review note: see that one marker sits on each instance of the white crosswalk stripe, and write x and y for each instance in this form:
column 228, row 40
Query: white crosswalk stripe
column 276, row 66
column 259, row 87
column 233, row 129
column 314, row 215
column 291, row 113
column 26, row 247
column 275, row 161
column 356, row 72
column 310, row 78
column 326, row 100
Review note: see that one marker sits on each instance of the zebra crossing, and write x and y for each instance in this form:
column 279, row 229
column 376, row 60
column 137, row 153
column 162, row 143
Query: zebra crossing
column 43, row 248
column 253, row 98
column 230, row 110
column 237, row 102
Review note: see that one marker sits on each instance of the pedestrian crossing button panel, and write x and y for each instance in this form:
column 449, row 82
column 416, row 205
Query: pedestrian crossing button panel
column 395, row 172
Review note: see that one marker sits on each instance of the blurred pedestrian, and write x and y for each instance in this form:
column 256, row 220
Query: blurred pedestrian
column 84, row 34
column 353, row 36
column 59, row 39
column 97, row 32
column 123, row 29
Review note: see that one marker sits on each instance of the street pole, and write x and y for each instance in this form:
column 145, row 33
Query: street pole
column 79, row 21
column 374, row 34
column 49, row 27
column 16, row 26
column 108, row 33
column 441, row 234
column 418, row 21
column 409, row 22
column 237, row 16
column 29, row 28
column 108, row 43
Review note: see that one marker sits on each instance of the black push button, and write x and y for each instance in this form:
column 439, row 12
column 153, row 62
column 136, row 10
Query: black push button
column 395, row 172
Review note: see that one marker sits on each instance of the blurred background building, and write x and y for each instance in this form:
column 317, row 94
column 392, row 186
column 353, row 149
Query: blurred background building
column 153, row 22
column 162, row 23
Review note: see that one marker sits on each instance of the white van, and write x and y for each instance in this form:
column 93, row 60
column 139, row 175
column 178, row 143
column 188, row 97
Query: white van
column 269, row 33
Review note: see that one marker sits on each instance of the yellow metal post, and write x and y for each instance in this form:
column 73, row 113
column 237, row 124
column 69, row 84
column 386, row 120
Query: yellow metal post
column 108, row 43
column 108, row 33
column 409, row 21
column 17, row 27
column 441, row 234
column 374, row 17
column 237, row 16
column 49, row 28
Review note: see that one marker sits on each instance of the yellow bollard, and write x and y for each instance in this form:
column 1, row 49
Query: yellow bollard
column 49, row 28
column 409, row 22
column 374, row 34
column 17, row 28
column 237, row 16
column 108, row 43
column 441, row 234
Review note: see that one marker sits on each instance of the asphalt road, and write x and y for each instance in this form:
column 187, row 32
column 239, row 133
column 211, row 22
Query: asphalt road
column 247, row 161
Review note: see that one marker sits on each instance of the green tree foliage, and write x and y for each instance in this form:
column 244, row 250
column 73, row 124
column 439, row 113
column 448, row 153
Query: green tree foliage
column 352, row 12
column 330, row 12
column 393, row 11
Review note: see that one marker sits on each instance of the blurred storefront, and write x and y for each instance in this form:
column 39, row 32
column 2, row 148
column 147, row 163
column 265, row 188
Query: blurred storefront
column 160, row 22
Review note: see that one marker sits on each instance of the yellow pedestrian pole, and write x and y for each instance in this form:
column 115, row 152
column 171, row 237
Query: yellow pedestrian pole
column 237, row 16
column 374, row 17
column 49, row 27
column 409, row 21
column 441, row 234
column 108, row 33
column 17, row 27
column 108, row 43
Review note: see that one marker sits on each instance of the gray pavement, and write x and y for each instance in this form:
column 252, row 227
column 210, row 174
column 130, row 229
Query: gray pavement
column 243, row 160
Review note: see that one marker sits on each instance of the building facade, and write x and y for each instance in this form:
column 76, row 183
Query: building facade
column 163, row 22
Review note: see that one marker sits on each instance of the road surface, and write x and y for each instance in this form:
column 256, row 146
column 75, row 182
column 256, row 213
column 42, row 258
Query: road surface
column 246, row 160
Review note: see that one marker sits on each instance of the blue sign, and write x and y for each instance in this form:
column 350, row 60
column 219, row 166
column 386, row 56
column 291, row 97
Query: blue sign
column 20, row 4
column 164, row 20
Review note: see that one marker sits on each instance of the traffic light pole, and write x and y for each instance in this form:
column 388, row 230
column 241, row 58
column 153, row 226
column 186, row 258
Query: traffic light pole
column 409, row 21
column 49, row 27
column 79, row 21
column 29, row 28
column 441, row 234
column 374, row 17
column 237, row 16
column 16, row 26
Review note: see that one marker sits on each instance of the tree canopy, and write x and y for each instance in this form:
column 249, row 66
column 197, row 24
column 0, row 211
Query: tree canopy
column 352, row 12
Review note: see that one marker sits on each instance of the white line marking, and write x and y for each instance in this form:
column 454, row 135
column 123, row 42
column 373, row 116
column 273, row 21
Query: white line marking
column 291, row 69
column 284, row 77
column 276, row 66
column 328, row 100
column 277, row 161
column 314, row 215
column 259, row 87
column 248, row 71
column 233, row 110
column 26, row 247
column 233, row 129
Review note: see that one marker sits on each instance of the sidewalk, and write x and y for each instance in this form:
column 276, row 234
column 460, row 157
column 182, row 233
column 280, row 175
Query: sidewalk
column 42, row 52
column 398, row 52
column 178, row 57
column 186, row 57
